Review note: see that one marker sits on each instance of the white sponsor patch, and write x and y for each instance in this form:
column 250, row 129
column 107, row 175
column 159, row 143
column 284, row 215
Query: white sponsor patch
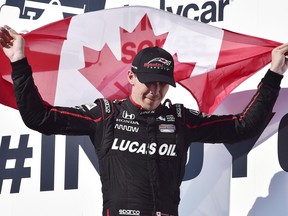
column 126, row 115
column 170, row 118
column 144, row 148
column 127, row 128
column 128, row 212
column 167, row 128
column 107, row 106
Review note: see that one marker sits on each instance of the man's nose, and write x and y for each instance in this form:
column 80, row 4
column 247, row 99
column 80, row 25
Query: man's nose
column 155, row 87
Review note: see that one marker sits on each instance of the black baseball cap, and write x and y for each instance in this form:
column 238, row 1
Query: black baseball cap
column 154, row 64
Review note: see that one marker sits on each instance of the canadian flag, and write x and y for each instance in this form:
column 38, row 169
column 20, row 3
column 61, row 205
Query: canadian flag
column 87, row 56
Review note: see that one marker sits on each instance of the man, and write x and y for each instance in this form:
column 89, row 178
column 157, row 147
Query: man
column 141, row 144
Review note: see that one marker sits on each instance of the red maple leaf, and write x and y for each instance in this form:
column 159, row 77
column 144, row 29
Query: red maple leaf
column 109, row 75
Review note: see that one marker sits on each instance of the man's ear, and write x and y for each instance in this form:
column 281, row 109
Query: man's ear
column 131, row 77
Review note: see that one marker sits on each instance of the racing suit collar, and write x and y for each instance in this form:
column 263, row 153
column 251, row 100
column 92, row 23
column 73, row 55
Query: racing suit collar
column 139, row 109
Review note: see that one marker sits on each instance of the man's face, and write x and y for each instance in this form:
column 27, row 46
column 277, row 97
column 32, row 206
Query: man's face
column 147, row 95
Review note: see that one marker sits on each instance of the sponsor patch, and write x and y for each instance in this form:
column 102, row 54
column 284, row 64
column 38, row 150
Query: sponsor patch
column 107, row 106
column 170, row 118
column 144, row 148
column 129, row 212
column 161, row 118
column 126, row 128
column 126, row 115
column 167, row 128
column 178, row 110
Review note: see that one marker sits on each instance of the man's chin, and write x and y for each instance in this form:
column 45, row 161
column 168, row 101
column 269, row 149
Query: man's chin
column 151, row 106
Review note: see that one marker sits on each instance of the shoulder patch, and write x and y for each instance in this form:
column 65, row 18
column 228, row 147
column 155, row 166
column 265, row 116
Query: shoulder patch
column 178, row 110
column 107, row 106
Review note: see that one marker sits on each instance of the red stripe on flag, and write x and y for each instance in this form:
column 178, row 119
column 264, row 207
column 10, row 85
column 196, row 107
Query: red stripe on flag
column 42, row 48
column 240, row 57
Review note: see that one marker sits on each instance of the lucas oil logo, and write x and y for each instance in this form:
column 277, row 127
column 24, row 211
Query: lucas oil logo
column 144, row 148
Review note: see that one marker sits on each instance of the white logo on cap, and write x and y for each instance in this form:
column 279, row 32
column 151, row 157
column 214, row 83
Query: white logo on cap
column 158, row 63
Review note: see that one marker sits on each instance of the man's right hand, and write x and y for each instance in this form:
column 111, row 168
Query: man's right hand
column 12, row 43
column 279, row 62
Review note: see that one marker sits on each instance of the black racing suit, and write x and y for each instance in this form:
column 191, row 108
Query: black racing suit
column 142, row 154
